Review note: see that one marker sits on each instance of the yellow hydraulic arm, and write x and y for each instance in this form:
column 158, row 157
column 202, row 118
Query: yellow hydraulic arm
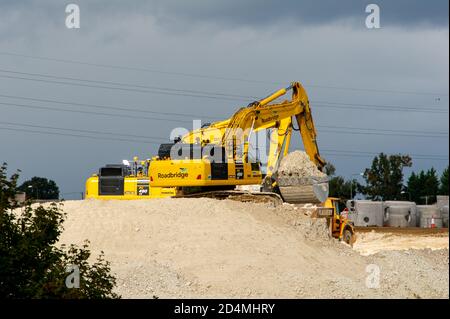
column 263, row 115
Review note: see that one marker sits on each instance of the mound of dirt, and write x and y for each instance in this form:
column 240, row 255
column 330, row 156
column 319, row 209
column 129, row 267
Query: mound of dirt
column 298, row 164
column 205, row 248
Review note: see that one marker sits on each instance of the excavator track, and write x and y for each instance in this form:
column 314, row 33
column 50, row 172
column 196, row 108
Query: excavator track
column 242, row 196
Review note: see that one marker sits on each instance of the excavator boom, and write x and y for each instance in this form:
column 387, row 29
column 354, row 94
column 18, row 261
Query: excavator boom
column 260, row 115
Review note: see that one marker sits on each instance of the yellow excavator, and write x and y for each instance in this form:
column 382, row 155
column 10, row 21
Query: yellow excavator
column 211, row 161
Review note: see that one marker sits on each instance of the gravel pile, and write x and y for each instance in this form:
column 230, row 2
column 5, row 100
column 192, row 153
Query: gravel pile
column 300, row 181
column 298, row 164
column 205, row 248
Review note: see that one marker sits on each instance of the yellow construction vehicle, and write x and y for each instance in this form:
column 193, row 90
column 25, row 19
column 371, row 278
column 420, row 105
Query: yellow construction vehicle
column 214, row 159
column 339, row 225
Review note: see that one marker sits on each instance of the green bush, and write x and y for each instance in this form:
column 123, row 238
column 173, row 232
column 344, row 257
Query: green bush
column 31, row 266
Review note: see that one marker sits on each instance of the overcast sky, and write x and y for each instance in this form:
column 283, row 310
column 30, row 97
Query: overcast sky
column 371, row 90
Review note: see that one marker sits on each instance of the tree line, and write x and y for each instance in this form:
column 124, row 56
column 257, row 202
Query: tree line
column 384, row 180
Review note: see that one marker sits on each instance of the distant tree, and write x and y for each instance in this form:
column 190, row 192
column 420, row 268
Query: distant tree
column 431, row 185
column 40, row 188
column 384, row 180
column 443, row 188
column 423, row 187
column 341, row 188
column 414, row 186
column 338, row 186
column 329, row 169
column 31, row 266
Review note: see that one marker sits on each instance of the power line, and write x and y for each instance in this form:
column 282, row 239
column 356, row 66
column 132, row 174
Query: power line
column 93, row 113
column 49, row 76
column 123, row 108
column 128, row 109
column 117, row 88
column 325, row 104
column 386, row 130
column 140, row 69
column 350, row 130
column 204, row 76
column 335, row 105
column 76, row 135
column 204, row 94
column 380, row 109
column 382, row 134
column 401, row 110
column 329, row 151
column 379, row 90
column 84, row 131
column 388, row 107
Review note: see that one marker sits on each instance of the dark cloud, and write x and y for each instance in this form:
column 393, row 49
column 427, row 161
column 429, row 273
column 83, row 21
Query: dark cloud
column 307, row 12
column 257, row 13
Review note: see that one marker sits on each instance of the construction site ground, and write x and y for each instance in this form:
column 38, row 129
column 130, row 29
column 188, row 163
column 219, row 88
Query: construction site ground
column 404, row 231
column 207, row 248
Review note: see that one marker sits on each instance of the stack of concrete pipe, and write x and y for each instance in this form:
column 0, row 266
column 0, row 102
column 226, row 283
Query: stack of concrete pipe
column 430, row 216
column 442, row 204
column 365, row 213
column 444, row 212
column 400, row 214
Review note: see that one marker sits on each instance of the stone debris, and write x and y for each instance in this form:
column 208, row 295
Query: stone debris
column 206, row 248
column 298, row 164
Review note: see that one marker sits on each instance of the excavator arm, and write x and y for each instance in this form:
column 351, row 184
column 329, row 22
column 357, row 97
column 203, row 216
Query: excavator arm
column 263, row 115
column 308, row 130
column 280, row 139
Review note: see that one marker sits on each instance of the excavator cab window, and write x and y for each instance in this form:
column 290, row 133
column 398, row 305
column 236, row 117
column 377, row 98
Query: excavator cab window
column 256, row 166
column 111, row 171
column 338, row 206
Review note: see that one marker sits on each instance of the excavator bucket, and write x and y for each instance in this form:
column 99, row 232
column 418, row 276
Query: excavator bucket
column 300, row 190
column 300, row 181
